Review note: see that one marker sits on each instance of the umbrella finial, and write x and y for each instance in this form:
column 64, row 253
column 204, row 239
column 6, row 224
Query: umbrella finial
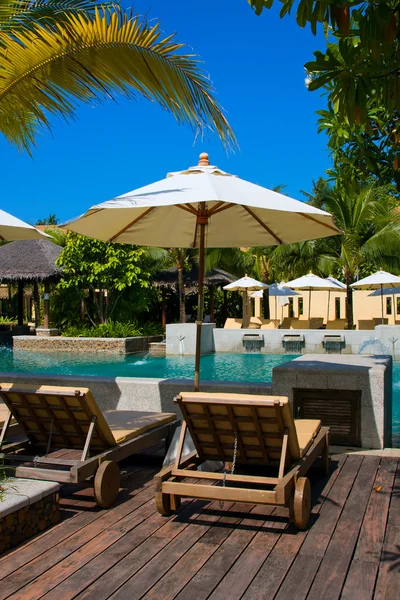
column 204, row 162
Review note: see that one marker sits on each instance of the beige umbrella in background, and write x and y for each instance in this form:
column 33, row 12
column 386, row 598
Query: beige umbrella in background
column 308, row 283
column 377, row 281
column 202, row 206
column 245, row 285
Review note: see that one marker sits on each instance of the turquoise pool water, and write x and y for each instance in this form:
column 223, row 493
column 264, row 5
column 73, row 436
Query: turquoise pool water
column 233, row 367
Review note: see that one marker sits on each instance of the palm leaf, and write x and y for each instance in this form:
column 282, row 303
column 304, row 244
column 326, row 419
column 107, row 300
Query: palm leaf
column 47, row 72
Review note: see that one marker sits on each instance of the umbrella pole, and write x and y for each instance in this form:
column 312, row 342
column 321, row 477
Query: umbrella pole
column 382, row 301
column 202, row 222
column 309, row 308
column 327, row 312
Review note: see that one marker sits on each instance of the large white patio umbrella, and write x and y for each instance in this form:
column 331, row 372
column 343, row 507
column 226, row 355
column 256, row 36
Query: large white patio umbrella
column 204, row 205
column 276, row 290
column 308, row 283
column 13, row 229
column 377, row 281
column 340, row 288
column 245, row 284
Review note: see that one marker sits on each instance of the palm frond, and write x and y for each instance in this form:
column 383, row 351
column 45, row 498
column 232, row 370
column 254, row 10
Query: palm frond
column 47, row 72
column 18, row 15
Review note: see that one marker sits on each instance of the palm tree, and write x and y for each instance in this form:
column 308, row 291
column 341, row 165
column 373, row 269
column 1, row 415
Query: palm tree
column 57, row 53
column 369, row 218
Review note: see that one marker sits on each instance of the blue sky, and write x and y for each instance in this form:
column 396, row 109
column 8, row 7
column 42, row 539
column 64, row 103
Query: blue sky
column 256, row 64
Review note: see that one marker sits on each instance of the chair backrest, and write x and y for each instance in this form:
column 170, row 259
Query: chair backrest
column 213, row 420
column 378, row 321
column 366, row 324
column 316, row 322
column 286, row 322
column 255, row 323
column 336, row 324
column 66, row 412
column 299, row 324
column 270, row 324
column 233, row 324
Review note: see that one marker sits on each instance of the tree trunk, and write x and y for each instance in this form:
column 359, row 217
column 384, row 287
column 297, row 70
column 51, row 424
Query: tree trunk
column 349, row 306
column 36, row 304
column 181, row 290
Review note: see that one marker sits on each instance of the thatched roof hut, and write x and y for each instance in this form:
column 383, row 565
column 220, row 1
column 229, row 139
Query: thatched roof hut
column 30, row 261
column 168, row 278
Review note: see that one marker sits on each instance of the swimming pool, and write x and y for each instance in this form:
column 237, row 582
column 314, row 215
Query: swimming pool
column 219, row 367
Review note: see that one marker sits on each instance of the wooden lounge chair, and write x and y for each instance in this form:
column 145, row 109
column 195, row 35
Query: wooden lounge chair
column 92, row 442
column 255, row 323
column 316, row 322
column 286, row 322
column 233, row 324
column 366, row 324
column 269, row 323
column 265, row 434
column 336, row 324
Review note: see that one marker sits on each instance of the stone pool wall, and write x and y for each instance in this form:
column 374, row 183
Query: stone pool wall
column 28, row 508
column 129, row 345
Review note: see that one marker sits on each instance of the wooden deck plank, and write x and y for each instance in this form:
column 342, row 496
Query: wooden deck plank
column 50, row 557
column 351, row 551
column 387, row 585
column 144, row 579
column 277, row 565
column 331, row 575
column 221, row 536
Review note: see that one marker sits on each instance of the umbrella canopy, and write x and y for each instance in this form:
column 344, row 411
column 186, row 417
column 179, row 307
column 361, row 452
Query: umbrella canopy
column 311, row 282
column 377, row 281
column 276, row 290
column 339, row 284
column 246, row 284
column 12, row 229
column 178, row 211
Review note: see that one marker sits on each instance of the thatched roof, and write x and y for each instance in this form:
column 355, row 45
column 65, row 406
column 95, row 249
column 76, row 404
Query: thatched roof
column 169, row 278
column 29, row 260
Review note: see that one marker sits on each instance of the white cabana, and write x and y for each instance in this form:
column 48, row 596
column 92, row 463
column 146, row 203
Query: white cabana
column 245, row 285
column 200, row 205
column 377, row 281
column 309, row 283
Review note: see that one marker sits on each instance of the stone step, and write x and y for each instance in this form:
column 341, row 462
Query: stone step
column 158, row 349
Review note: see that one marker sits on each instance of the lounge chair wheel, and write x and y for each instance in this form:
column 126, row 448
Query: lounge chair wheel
column 106, row 483
column 302, row 503
column 163, row 504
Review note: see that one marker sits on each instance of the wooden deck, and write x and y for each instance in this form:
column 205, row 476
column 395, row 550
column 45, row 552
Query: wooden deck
column 351, row 551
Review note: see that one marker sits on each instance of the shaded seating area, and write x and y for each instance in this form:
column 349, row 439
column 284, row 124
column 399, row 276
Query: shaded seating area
column 31, row 262
column 167, row 281
column 248, row 431
column 68, row 439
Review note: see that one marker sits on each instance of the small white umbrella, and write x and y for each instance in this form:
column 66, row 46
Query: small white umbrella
column 377, row 281
column 276, row 290
column 308, row 283
column 13, row 229
column 245, row 284
column 204, row 204
column 340, row 288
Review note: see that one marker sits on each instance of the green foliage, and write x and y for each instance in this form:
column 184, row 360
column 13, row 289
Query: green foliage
column 52, row 219
column 112, row 329
column 55, row 54
column 92, row 265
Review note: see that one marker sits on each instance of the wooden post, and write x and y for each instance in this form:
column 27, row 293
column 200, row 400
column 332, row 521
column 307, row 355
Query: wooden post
column 82, row 309
column 20, row 303
column 212, row 304
column 225, row 311
column 36, row 304
column 46, row 306
column 163, row 308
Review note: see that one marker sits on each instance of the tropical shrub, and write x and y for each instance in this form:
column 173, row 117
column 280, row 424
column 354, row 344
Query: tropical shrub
column 112, row 329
